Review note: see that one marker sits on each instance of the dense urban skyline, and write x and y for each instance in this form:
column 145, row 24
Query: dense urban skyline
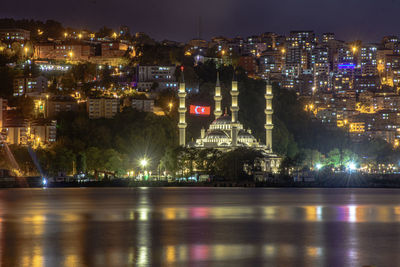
column 178, row 20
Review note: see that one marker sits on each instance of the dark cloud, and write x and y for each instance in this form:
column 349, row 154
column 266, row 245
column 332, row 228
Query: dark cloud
column 178, row 19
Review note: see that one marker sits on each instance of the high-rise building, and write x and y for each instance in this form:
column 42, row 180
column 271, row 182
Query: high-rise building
column 299, row 46
column 271, row 62
column 57, row 104
column 156, row 78
column 70, row 50
column 369, row 60
column 328, row 36
column 102, row 107
column 14, row 35
column 30, row 85
column 321, row 68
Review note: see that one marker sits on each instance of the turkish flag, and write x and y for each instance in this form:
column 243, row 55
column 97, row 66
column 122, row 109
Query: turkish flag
column 200, row 110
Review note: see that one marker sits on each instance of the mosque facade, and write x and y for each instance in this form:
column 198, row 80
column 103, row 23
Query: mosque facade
column 226, row 132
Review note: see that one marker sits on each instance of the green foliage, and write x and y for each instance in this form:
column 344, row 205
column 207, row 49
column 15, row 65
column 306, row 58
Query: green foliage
column 104, row 32
column 117, row 144
column 232, row 164
column 50, row 28
column 158, row 54
column 83, row 72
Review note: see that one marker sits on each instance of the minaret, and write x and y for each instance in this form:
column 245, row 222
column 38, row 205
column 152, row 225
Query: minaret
column 217, row 98
column 235, row 111
column 268, row 117
column 182, row 112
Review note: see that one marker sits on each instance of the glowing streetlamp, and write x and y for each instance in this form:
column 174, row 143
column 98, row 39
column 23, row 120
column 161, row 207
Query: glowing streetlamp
column 143, row 163
column 318, row 166
column 354, row 49
column 26, row 51
column 351, row 166
column 65, row 34
column 170, row 106
column 80, row 36
column 70, row 54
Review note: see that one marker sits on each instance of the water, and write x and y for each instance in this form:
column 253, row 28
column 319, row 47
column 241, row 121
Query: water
column 199, row 227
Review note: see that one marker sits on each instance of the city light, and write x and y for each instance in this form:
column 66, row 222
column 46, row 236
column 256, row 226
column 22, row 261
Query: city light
column 143, row 162
column 351, row 166
column 318, row 166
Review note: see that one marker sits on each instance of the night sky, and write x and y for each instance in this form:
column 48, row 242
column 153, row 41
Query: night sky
column 367, row 20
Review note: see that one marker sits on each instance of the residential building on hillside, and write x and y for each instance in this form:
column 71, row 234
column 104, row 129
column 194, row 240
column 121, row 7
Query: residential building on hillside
column 102, row 107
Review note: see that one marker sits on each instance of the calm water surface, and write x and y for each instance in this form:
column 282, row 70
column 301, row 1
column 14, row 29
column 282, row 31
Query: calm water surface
column 199, row 227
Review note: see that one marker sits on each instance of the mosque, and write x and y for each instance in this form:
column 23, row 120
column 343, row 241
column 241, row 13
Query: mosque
column 226, row 132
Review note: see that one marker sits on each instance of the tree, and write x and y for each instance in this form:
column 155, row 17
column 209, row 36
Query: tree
column 232, row 164
column 104, row 32
column 206, row 160
column 94, row 159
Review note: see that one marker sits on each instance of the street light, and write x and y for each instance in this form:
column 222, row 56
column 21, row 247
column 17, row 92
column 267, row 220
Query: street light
column 351, row 166
column 318, row 166
column 354, row 49
column 143, row 162
column 170, row 106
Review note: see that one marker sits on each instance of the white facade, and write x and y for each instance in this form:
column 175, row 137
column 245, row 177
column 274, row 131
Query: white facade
column 162, row 76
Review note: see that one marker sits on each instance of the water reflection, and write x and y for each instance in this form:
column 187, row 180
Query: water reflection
column 58, row 232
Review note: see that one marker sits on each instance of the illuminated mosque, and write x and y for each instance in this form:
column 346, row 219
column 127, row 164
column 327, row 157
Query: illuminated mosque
column 226, row 132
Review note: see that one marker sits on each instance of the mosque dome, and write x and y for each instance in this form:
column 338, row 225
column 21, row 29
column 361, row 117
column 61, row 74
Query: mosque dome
column 224, row 119
column 245, row 134
column 217, row 134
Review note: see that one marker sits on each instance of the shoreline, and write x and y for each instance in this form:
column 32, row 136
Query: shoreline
column 116, row 184
column 354, row 180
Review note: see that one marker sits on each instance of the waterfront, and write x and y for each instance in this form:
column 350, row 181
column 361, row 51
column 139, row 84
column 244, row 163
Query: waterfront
column 199, row 227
